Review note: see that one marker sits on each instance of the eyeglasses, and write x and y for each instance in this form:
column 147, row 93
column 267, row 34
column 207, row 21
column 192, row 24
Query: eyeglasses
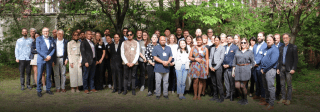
column 130, row 34
column 243, row 42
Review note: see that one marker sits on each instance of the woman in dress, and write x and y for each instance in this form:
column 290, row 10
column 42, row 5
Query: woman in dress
column 199, row 68
column 150, row 64
column 181, row 65
column 100, row 54
column 242, row 64
column 172, row 43
column 74, row 55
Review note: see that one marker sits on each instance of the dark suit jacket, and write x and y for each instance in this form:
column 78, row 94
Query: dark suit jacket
column 42, row 49
column 291, row 58
column 228, row 58
column 33, row 49
column 86, row 52
column 258, row 55
column 65, row 51
column 115, row 56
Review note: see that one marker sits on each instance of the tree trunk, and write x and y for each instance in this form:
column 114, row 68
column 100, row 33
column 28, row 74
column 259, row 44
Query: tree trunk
column 177, row 8
column 161, row 5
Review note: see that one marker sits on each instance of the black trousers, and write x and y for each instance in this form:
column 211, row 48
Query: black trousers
column 216, row 78
column 107, row 68
column 129, row 76
column 252, row 81
column 98, row 78
column 278, row 85
column 24, row 66
column 142, row 76
column 117, row 76
column 151, row 77
column 172, row 79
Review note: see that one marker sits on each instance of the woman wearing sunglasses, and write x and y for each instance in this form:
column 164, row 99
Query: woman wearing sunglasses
column 242, row 63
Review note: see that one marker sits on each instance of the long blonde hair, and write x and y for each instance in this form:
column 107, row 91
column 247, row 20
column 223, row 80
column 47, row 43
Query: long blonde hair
column 95, row 39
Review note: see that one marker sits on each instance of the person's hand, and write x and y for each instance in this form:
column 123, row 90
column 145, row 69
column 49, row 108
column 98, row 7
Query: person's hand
column 233, row 75
column 17, row 61
column 100, row 61
column 172, row 64
column 86, row 64
column 144, row 60
column 198, row 60
column 278, row 71
column 128, row 64
column 225, row 66
column 97, row 62
column 71, row 65
column 292, row 71
column 131, row 64
column 66, row 62
column 165, row 63
column 48, row 58
column 212, row 69
column 256, row 65
column 52, row 63
column 152, row 64
column 262, row 71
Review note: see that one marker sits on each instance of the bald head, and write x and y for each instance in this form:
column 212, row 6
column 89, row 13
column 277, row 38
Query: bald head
column 162, row 41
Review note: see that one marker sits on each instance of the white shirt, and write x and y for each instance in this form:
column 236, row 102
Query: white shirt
column 277, row 45
column 259, row 45
column 47, row 41
column 180, row 59
column 251, row 48
column 174, row 48
column 60, row 47
column 228, row 48
column 92, row 47
column 104, row 39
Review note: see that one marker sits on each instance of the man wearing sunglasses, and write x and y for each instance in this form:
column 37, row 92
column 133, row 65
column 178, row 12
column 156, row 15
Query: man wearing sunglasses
column 130, row 55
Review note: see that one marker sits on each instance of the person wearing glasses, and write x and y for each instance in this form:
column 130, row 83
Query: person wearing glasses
column 242, row 63
column 130, row 50
column 210, row 35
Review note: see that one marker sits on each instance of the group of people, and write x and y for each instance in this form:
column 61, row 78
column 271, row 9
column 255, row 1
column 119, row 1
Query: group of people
column 180, row 62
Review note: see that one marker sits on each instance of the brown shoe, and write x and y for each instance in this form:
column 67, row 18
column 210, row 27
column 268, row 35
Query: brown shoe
column 264, row 103
column 269, row 107
column 93, row 90
column 262, row 100
column 63, row 90
column 58, row 90
column 86, row 91
column 281, row 101
column 256, row 97
column 287, row 102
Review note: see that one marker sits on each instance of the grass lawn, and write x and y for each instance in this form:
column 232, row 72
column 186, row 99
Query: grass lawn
column 13, row 99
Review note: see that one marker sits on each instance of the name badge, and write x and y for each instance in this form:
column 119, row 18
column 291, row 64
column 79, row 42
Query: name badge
column 74, row 48
column 132, row 48
column 260, row 52
column 99, row 46
column 265, row 53
column 200, row 52
column 51, row 45
column 108, row 47
column 164, row 54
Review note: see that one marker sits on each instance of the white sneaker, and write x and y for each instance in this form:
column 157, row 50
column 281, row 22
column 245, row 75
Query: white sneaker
column 109, row 86
column 104, row 86
column 172, row 92
column 142, row 88
column 44, row 88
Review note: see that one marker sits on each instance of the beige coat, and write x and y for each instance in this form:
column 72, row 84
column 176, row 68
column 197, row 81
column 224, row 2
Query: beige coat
column 74, row 57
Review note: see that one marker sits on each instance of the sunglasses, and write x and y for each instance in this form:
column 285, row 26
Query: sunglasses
column 243, row 42
column 130, row 34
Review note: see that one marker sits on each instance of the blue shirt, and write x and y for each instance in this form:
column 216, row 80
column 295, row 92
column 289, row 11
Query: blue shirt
column 23, row 48
column 270, row 58
column 284, row 54
column 164, row 55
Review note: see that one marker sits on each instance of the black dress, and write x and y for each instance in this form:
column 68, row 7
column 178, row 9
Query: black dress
column 98, row 79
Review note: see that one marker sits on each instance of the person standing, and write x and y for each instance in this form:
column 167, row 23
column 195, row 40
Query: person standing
column 172, row 43
column 215, row 62
column 54, row 35
column 278, row 44
column 179, row 34
column 60, row 60
column 199, row 68
column 229, row 82
column 237, row 40
column 268, row 70
column 189, row 40
column 157, row 32
column 223, row 39
column 258, row 54
column 100, row 55
column 22, row 55
column 181, row 66
column 74, row 55
column 130, row 51
column 242, row 63
column 124, row 32
column 117, row 68
column 142, row 59
column 210, row 35
column 162, row 55
column 252, row 79
column 185, row 33
column 151, row 63
column 197, row 33
column 89, row 59
column 45, row 46
column 107, row 62
column 287, row 66
column 32, row 62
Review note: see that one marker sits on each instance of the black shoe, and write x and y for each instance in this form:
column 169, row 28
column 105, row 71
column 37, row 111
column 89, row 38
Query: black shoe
column 240, row 101
column 114, row 90
column 149, row 94
column 129, row 88
column 133, row 92
column 49, row 92
column 166, row 97
column 22, row 88
column 231, row 97
column 39, row 94
column 203, row 95
column 211, row 94
column 124, row 92
column 119, row 92
column 227, row 97
column 213, row 99
column 157, row 97
column 244, row 102
column 29, row 87
column 220, row 100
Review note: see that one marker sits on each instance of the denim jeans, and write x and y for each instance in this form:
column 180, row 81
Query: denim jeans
column 88, row 76
column 259, row 84
column 181, row 79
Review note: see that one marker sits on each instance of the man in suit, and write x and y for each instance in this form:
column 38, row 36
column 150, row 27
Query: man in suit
column 117, row 68
column 278, row 44
column 227, row 66
column 89, row 62
column 60, row 60
column 45, row 46
column 287, row 65
column 258, row 55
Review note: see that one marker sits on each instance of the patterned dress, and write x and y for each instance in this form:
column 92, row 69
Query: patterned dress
column 199, row 70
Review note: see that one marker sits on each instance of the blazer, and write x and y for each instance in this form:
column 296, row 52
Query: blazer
column 280, row 44
column 291, row 58
column 216, row 57
column 33, row 49
column 42, row 49
column 65, row 51
column 115, row 56
column 86, row 52
column 228, row 58
column 258, row 55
